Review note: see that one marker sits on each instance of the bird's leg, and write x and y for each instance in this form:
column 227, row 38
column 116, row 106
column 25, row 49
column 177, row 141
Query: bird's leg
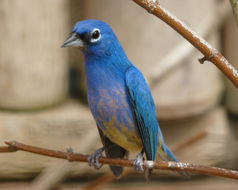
column 138, row 163
column 93, row 159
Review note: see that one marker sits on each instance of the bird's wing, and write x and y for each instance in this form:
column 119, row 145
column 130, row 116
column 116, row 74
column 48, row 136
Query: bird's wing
column 143, row 107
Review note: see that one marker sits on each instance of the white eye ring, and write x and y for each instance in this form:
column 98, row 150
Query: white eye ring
column 95, row 35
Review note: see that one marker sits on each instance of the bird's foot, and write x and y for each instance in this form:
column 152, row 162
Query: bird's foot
column 138, row 163
column 93, row 159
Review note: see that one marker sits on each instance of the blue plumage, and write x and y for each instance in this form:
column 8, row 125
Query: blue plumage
column 142, row 105
column 118, row 95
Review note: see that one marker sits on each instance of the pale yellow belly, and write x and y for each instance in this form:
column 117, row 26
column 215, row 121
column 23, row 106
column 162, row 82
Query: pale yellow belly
column 127, row 139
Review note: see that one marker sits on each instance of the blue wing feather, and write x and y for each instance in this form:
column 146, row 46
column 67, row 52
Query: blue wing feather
column 144, row 110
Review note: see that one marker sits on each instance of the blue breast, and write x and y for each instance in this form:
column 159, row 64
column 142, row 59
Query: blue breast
column 107, row 97
column 109, row 103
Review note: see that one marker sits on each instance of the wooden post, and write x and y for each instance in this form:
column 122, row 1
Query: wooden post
column 33, row 67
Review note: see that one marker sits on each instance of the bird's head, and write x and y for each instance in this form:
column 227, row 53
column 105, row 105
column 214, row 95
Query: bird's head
column 93, row 37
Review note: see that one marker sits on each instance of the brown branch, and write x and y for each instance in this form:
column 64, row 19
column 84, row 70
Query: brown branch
column 6, row 149
column 210, row 54
column 70, row 156
column 107, row 178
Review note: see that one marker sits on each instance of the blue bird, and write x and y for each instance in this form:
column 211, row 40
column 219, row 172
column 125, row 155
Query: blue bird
column 119, row 98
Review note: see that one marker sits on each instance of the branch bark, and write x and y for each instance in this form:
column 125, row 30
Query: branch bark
column 210, row 53
column 69, row 155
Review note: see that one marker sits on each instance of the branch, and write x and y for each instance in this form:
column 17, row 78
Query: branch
column 210, row 54
column 70, row 156
column 107, row 178
column 182, row 51
column 6, row 149
column 234, row 5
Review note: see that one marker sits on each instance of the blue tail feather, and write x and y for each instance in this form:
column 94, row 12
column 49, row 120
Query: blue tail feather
column 171, row 157
column 169, row 153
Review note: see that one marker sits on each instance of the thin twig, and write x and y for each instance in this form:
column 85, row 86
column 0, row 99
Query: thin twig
column 210, row 54
column 181, row 52
column 107, row 178
column 175, row 166
column 54, row 174
column 5, row 149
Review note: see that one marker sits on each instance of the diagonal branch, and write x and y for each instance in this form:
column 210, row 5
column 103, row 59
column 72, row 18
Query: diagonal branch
column 210, row 54
column 71, row 156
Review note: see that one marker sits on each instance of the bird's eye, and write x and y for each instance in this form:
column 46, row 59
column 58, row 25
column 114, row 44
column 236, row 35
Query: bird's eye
column 95, row 35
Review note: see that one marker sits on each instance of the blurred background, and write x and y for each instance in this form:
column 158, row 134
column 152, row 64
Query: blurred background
column 43, row 91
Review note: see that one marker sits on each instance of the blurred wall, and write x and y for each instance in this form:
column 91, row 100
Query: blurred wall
column 33, row 67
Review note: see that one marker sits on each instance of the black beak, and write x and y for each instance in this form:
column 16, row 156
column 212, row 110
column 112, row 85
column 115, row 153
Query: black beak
column 73, row 41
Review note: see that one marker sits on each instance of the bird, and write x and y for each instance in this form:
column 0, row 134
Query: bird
column 119, row 98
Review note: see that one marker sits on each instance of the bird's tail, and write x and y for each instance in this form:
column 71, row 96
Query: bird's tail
column 166, row 154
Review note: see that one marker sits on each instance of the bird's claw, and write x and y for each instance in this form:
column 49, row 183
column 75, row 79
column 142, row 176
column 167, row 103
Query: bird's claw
column 138, row 163
column 93, row 159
